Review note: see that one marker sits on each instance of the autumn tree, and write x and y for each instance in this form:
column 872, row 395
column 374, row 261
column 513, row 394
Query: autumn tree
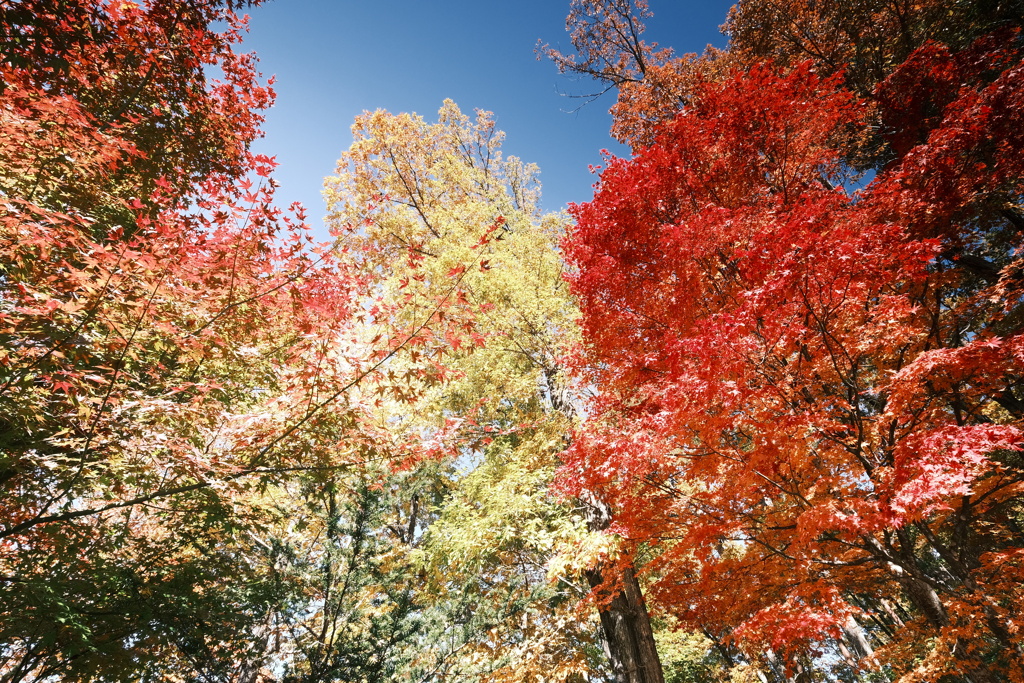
column 450, row 217
column 808, row 403
column 864, row 41
column 650, row 82
column 174, row 349
column 454, row 216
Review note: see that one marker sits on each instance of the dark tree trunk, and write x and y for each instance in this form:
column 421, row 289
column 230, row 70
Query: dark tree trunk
column 627, row 629
column 625, row 622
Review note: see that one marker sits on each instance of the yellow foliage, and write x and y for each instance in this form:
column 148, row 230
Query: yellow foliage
column 451, row 225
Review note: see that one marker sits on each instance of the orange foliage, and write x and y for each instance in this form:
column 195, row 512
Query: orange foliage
column 809, row 394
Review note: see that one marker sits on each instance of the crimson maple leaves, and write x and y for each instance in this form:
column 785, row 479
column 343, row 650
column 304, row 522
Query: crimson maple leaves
column 808, row 401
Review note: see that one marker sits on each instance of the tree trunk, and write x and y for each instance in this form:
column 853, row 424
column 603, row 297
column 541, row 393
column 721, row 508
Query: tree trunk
column 624, row 619
column 930, row 604
column 627, row 630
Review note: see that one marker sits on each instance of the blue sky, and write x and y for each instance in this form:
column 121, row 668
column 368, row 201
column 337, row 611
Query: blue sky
column 334, row 59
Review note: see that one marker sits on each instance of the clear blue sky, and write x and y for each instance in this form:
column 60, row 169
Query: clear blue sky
column 334, row 59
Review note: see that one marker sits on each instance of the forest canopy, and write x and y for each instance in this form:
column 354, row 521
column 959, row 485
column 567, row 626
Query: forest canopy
column 753, row 411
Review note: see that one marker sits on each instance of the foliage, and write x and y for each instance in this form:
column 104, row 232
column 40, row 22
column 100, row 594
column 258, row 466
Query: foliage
column 134, row 76
column 172, row 346
column 651, row 83
column 353, row 610
column 808, row 399
column 793, row 322
column 450, row 216
column 865, row 41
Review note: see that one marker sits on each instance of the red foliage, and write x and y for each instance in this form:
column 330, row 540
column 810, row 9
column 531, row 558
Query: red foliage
column 139, row 71
column 808, row 395
column 171, row 343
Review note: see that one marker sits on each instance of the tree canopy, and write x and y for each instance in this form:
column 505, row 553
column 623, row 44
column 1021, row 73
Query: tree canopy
column 752, row 412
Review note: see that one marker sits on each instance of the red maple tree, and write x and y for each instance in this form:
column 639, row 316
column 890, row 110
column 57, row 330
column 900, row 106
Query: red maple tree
column 809, row 392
